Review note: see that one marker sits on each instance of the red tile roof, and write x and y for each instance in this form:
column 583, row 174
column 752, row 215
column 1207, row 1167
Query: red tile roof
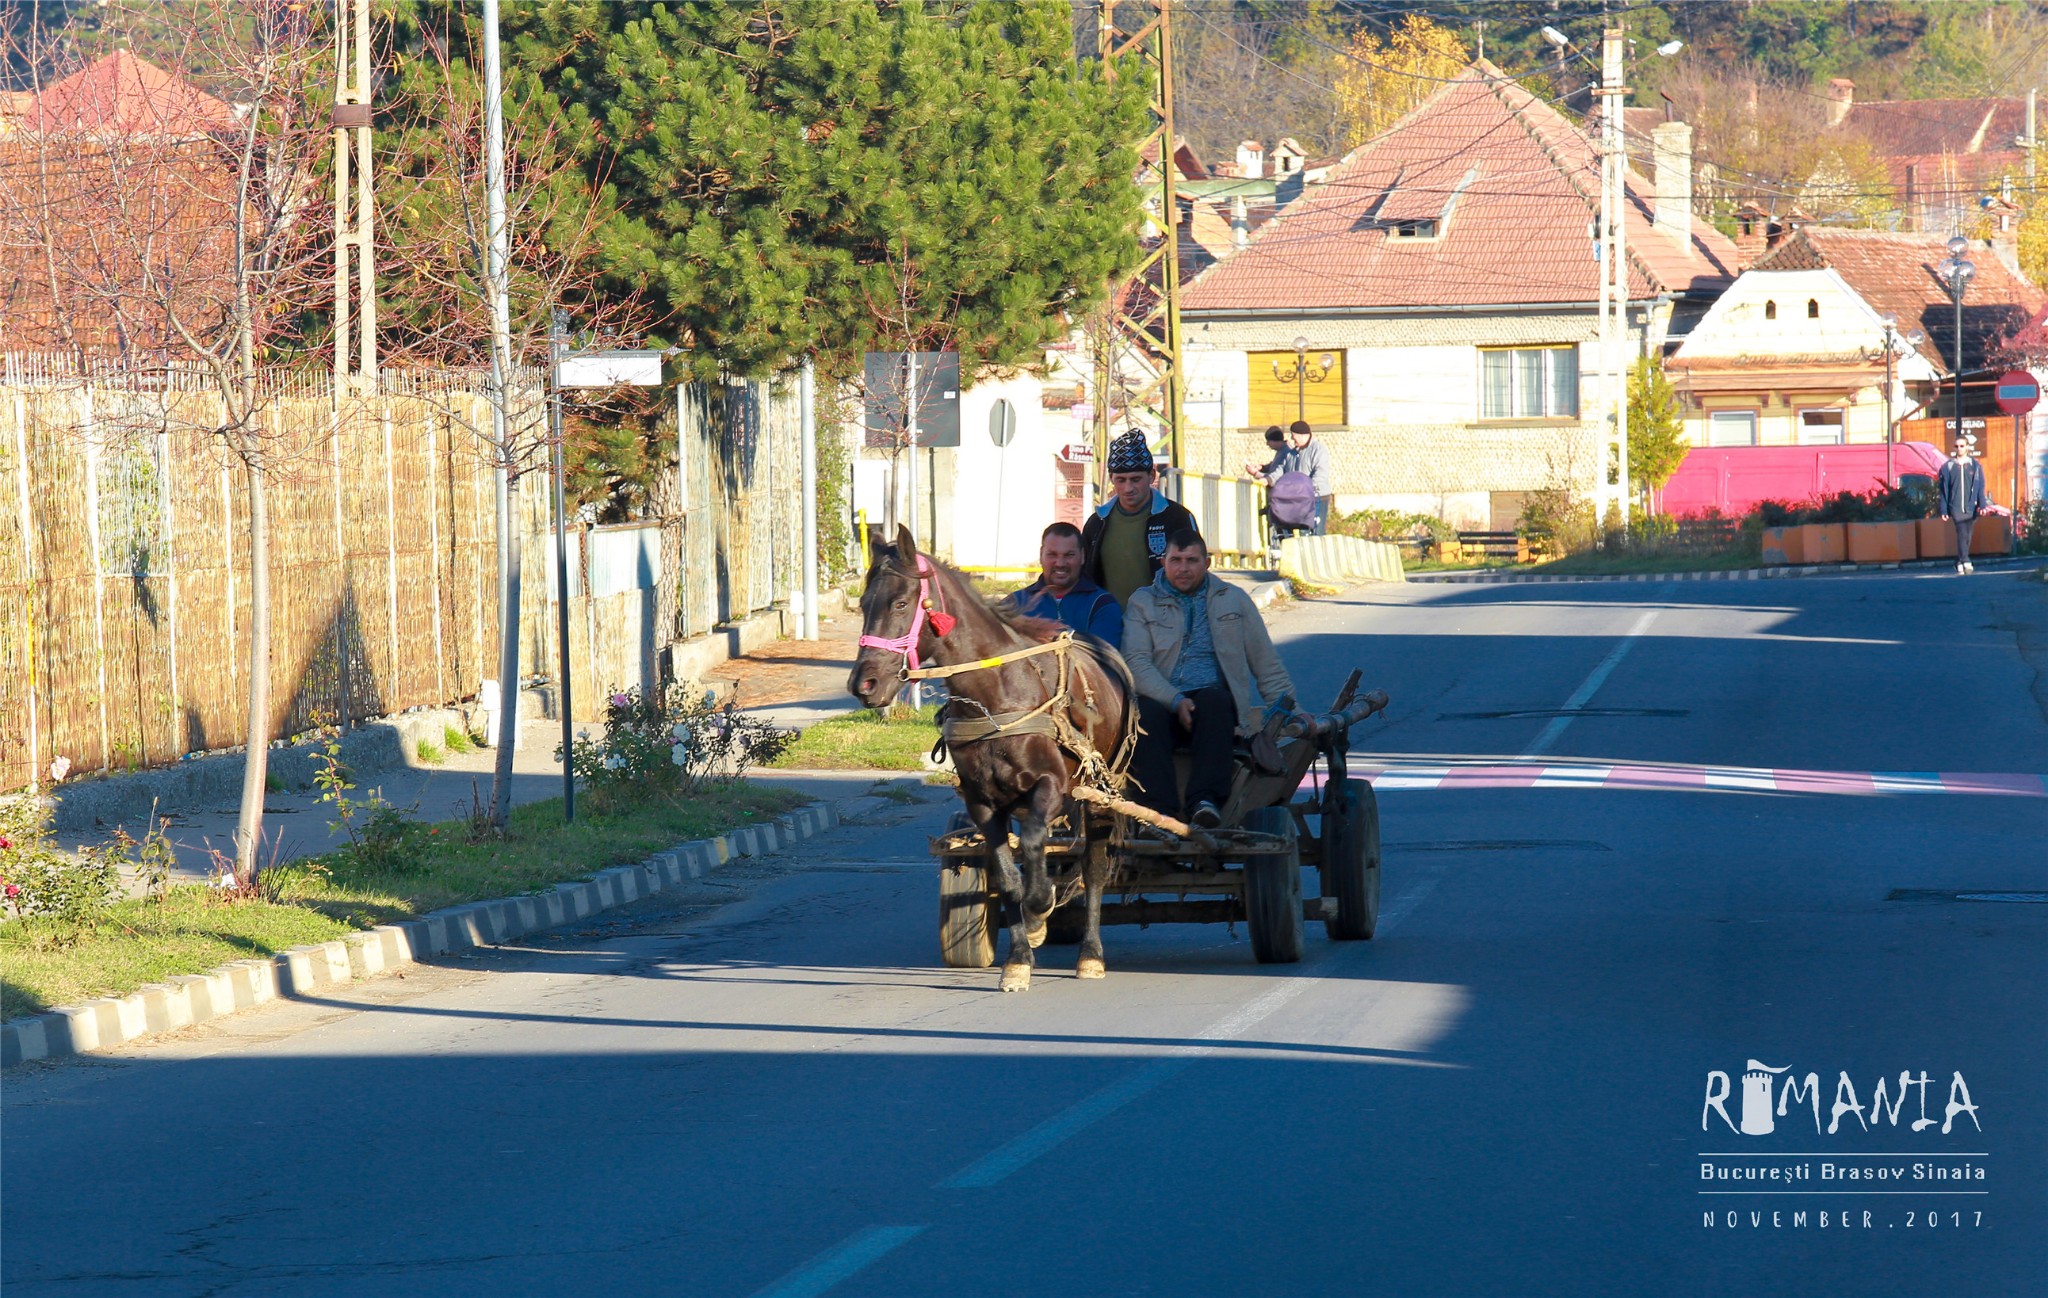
column 1894, row 273
column 1520, row 185
column 1920, row 127
column 123, row 95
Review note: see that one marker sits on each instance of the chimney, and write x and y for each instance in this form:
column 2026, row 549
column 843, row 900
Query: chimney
column 1841, row 98
column 1752, row 225
column 1240, row 224
column 1912, row 200
column 1251, row 159
column 1671, row 145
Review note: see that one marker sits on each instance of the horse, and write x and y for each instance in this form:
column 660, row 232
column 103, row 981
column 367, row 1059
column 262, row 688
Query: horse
column 1017, row 746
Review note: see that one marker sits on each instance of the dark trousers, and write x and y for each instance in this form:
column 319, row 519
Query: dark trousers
column 1209, row 747
column 1963, row 528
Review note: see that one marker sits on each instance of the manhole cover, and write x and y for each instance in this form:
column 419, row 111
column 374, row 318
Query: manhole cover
column 1944, row 894
column 1537, row 714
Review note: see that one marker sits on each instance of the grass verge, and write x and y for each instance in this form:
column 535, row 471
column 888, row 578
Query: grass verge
column 865, row 741
column 195, row 929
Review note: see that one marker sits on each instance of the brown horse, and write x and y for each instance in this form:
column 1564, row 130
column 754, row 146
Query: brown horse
column 918, row 611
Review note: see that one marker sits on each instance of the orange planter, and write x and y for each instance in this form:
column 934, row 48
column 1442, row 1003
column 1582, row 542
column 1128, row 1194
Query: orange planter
column 1781, row 546
column 1824, row 543
column 1991, row 535
column 1937, row 538
column 1883, row 542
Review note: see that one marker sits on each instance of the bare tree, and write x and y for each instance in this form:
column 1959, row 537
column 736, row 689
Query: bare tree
column 174, row 229
column 436, row 231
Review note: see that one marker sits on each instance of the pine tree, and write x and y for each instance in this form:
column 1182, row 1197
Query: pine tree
column 819, row 175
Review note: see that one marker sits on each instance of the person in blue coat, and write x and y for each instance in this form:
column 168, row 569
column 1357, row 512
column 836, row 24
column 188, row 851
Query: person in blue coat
column 1065, row 593
column 1961, row 488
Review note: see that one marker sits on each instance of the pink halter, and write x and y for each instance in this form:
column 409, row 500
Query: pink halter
column 942, row 622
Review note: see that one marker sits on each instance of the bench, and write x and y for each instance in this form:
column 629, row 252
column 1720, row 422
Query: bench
column 1512, row 546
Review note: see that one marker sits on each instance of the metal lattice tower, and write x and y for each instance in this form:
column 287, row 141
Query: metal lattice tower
column 1138, row 345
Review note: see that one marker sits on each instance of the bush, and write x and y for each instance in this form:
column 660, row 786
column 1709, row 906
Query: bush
column 1558, row 513
column 37, row 879
column 457, row 740
column 382, row 839
column 2033, row 527
column 1392, row 525
column 669, row 743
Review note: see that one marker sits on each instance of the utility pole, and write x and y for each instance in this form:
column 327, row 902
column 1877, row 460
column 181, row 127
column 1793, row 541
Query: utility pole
column 1613, row 272
column 354, row 202
column 1144, row 332
column 558, row 344
column 497, row 257
column 808, row 426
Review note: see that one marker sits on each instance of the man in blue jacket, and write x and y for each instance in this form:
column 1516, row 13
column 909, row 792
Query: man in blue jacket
column 1063, row 593
column 1961, row 487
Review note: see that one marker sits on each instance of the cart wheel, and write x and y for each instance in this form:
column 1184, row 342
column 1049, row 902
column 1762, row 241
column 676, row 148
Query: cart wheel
column 1272, row 890
column 1351, row 865
column 966, row 910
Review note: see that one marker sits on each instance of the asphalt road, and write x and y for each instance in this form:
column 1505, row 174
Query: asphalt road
column 1636, row 835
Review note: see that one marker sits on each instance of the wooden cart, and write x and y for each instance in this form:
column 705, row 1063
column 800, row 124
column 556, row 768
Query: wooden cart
column 1166, row 872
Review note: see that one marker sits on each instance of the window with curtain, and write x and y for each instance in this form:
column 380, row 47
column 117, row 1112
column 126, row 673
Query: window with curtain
column 1529, row 383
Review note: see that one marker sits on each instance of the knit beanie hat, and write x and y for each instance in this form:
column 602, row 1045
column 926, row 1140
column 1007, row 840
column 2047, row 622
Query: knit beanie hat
column 1129, row 454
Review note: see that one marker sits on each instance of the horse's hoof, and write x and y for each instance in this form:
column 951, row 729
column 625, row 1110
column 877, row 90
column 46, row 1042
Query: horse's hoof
column 1035, row 936
column 1091, row 967
column 1016, row 979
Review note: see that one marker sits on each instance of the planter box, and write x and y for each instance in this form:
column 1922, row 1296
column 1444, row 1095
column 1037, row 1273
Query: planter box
column 1991, row 535
column 1781, row 546
column 1824, row 543
column 1883, row 542
column 1937, row 538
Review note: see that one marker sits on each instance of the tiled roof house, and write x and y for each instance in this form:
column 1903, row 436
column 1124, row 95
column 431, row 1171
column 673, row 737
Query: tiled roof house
column 1448, row 272
column 1941, row 153
column 1793, row 353
column 117, row 161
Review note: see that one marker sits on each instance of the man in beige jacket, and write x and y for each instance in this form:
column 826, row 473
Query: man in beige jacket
column 1206, row 672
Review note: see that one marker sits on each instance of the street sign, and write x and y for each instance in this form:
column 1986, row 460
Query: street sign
column 1078, row 452
column 635, row 369
column 2017, row 392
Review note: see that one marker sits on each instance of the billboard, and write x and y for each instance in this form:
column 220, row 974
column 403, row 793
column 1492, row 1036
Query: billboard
column 889, row 395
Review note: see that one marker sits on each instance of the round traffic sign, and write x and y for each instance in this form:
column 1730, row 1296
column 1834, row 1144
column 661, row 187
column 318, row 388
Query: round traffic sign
column 2017, row 392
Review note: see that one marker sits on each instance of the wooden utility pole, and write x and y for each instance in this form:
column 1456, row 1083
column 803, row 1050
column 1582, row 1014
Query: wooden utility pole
column 355, row 356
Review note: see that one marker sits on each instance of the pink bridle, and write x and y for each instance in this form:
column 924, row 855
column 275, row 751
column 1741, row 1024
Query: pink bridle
column 942, row 623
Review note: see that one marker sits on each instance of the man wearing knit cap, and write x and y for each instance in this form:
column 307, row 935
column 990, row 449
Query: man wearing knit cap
column 1124, row 542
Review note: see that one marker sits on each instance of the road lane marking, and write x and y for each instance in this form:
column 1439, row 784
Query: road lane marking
column 1661, row 777
column 1592, row 684
column 1000, row 1162
column 851, row 1255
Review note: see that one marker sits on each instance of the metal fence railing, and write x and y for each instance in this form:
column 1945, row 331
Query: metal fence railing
column 1230, row 511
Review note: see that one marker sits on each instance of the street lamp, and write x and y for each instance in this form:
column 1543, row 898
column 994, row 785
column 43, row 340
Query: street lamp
column 1304, row 374
column 1955, row 272
column 1892, row 339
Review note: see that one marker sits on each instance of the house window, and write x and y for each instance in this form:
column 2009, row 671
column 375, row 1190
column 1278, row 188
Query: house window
column 1770, row 310
column 1732, row 428
column 1813, row 308
column 1820, row 427
column 1529, row 383
column 1280, row 396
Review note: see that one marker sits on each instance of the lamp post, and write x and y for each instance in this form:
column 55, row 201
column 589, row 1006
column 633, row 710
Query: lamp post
column 1956, row 271
column 1892, row 339
column 1304, row 374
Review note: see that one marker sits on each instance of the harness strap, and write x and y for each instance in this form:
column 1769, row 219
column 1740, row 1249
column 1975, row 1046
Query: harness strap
column 968, row 730
column 1054, row 645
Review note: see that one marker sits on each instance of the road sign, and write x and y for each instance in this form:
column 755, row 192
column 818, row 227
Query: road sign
column 936, row 398
column 637, row 369
column 1078, row 452
column 2017, row 392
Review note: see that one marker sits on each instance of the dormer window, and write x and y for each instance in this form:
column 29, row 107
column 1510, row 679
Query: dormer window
column 1770, row 310
column 1412, row 230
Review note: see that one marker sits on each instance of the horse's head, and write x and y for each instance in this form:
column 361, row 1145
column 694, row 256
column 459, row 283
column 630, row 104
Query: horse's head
column 893, row 621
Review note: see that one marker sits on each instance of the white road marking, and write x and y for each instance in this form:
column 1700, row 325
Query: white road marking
column 1591, row 685
column 1005, row 1159
column 850, row 1255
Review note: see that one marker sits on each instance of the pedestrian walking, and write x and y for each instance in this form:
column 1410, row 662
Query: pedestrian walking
column 1312, row 458
column 1961, row 488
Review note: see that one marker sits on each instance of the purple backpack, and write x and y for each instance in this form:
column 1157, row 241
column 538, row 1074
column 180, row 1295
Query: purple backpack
column 1292, row 500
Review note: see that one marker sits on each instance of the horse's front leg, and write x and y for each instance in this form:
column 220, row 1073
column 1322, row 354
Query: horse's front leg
column 1032, row 820
column 1094, row 878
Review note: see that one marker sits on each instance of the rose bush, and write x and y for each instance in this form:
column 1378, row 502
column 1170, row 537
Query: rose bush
column 668, row 742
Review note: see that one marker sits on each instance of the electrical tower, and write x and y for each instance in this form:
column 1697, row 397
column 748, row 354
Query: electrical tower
column 1138, row 346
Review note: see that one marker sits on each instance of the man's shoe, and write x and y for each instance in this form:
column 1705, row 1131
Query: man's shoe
column 1969, row 568
column 1205, row 815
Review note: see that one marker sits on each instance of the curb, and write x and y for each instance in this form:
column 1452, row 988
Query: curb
column 1725, row 574
column 243, row 984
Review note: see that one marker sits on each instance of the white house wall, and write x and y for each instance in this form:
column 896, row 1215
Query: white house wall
column 1002, row 498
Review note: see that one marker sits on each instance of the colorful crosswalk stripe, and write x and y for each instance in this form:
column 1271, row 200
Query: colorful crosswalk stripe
column 1657, row 777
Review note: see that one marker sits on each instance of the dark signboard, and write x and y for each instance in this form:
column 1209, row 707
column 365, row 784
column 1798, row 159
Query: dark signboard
column 892, row 392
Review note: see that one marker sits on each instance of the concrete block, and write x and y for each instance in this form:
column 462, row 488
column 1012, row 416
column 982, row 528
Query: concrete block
column 553, row 908
column 164, row 1008
column 74, row 1029
column 579, row 897
column 295, row 975
column 607, row 892
column 419, row 939
column 441, row 937
column 767, row 838
column 740, row 842
column 251, row 982
column 526, row 917
column 331, row 964
column 24, row 1040
column 628, row 879
column 365, row 954
column 468, row 926
column 208, row 995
